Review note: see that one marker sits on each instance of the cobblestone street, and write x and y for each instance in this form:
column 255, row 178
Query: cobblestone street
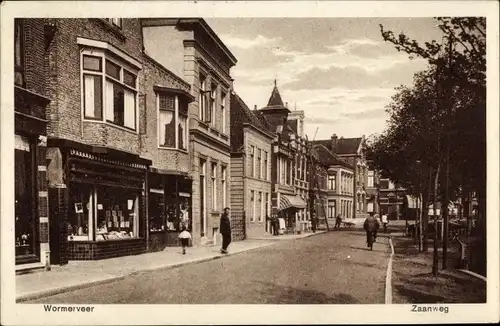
column 331, row 268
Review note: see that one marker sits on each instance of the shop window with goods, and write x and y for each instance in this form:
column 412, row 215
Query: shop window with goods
column 99, row 213
column 25, row 232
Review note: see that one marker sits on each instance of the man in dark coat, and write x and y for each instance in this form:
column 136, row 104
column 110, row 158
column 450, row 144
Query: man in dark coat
column 225, row 230
column 371, row 225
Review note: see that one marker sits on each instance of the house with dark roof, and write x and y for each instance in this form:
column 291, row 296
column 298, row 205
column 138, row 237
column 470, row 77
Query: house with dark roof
column 364, row 185
column 289, row 172
column 318, row 192
column 250, row 184
column 340, row 184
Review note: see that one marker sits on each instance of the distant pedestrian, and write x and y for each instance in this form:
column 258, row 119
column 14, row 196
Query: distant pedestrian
column 184, row 236
column 338, row 221
column 385, row 221
column 225, row 230
column 313, row 222
column 371, row 226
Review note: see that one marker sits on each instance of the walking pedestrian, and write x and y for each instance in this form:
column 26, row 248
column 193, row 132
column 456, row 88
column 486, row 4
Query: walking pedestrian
column 184, row 236
column 313, row 222
column 371, row 226
column 338, row 220
column 385, row 221
column 225, row 230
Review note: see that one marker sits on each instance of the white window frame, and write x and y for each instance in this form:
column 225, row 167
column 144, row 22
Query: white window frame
column 122, row 62
column 252, row 160
column 259, row 164
column 118, row 22
column 203, row 172
column 371, row 179
column 177, row 115
column 224, row 185
column 214, row 99
column 261, row 209
column 223, row 103
column 252, row 206
column 202, row 99
column 213, row 175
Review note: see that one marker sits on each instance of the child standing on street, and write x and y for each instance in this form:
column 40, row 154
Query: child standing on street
column 184, row 236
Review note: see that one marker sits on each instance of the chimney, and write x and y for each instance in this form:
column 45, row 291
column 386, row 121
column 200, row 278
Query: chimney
column 334, row 143
column 286, row 105
column 255, row 107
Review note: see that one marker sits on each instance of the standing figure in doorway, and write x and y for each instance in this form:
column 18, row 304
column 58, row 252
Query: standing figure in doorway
column 225, row 230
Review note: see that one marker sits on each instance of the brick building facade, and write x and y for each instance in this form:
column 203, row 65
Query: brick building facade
column 31, row 99
column 194, row 52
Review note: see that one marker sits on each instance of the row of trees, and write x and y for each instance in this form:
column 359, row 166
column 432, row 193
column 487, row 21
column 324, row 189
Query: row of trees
column 435, row 141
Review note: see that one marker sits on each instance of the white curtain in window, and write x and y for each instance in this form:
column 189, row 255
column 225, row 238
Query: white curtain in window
column 129, row 120
column 89, row 96
column 167, row 137
column 110, row 114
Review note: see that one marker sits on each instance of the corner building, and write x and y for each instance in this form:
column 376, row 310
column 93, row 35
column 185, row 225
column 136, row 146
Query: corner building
column 194, row 52
column 97, row 177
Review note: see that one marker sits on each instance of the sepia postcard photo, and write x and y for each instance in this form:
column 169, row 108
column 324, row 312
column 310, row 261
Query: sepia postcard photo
column 280, row 162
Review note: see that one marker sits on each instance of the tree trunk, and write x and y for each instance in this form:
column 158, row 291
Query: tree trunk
column 425, row 210
column 435, row 260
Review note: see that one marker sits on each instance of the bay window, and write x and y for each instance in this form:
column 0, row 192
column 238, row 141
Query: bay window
column 173, row 113
column 109, row 91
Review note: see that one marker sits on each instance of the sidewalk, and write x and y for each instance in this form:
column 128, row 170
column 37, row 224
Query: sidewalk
column 287, row 236
column 413, row 281
column 81, row 274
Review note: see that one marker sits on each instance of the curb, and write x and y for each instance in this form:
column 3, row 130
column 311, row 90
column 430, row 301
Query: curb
column 51, row 292
column 481, row 277
column 388, row 276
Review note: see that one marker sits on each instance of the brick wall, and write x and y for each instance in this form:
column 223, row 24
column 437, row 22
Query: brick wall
column 34, row 56
column 65, row 87
column 155, row 75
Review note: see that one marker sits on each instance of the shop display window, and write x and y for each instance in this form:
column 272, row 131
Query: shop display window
column 103, row 213
column 156, row 212
column 24, row 183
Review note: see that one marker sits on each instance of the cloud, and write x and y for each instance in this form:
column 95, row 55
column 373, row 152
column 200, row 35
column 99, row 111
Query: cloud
column 246, row 43
column 367, row 114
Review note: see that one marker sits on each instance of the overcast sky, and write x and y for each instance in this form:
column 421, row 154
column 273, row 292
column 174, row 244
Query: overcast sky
column 339, row 71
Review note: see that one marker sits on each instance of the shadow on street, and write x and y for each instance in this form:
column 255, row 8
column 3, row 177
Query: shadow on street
column 289, row 295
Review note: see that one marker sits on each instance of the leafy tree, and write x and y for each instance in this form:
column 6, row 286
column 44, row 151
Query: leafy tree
column 441, row 119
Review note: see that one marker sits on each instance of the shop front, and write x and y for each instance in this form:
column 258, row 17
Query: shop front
column 169, row 208
column 290, row 206
column 30, row 187
column 99, row 209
